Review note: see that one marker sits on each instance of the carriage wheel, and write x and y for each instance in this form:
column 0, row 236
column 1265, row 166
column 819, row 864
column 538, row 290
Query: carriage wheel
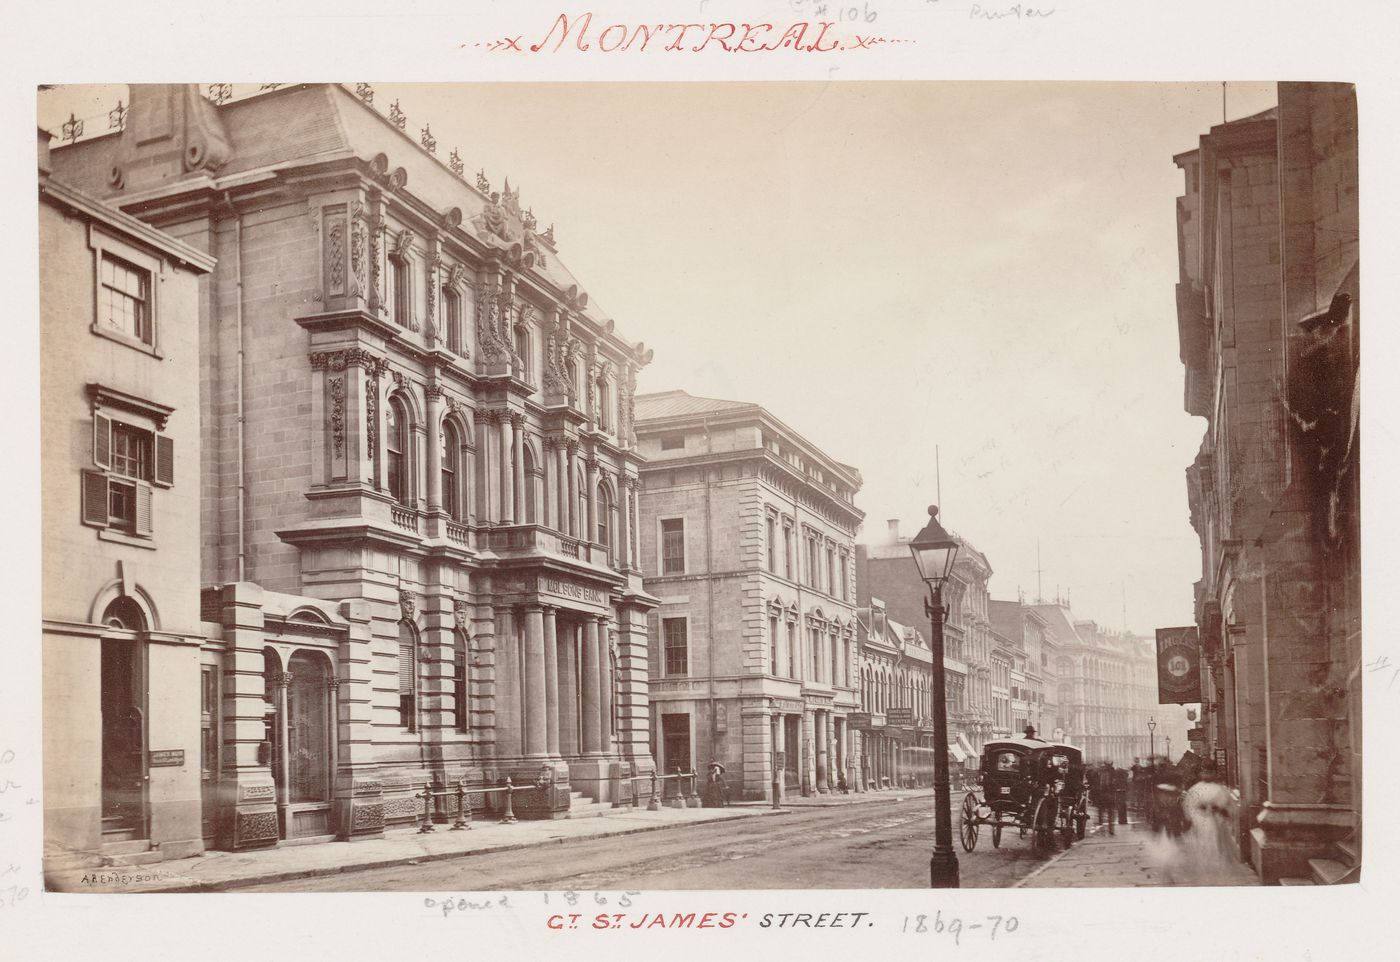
column 967, row 827
column 996, row 836
column 1043, row 827
column 1081, row 818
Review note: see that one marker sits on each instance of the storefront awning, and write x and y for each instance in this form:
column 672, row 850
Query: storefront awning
column 966, row 746
column 956, row 751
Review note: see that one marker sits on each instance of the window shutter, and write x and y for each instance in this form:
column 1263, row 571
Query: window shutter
column 143, row 508
column 95, row 503
column 165, row 460
column 406, row 665
column 101, row 441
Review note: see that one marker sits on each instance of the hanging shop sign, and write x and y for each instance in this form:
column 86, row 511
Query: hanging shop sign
column 1178, row 666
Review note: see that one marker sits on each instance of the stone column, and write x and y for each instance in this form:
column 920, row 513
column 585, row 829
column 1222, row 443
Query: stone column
column 550, row 507
column 624, row 523
column 534, row 709
column 283, row 680
column 507, row 685
column 591, row 501
column 507, row 469
column 832, row 760
column 518, row 479
column 434, row 445
column 568, row 689
column 571, row 476
column 590, row 673
column 551, row 682
column 605, row 687
column 819, row 749
column 807, row 753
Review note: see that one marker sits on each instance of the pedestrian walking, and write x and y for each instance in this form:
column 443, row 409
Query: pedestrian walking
column 716, row 793
column 1102, row 794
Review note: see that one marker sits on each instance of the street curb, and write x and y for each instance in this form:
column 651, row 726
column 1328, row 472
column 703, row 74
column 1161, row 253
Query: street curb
column 326, row 872
column 1021, row 882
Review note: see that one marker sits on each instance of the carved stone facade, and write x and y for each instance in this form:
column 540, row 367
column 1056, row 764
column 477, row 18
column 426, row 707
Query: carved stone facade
column 423, row 499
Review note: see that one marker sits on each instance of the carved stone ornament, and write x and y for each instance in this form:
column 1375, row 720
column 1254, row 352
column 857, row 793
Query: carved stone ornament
column 492, row 303
column 337, row 389
column 408, row 604
column 460, row 615
column 403, row 242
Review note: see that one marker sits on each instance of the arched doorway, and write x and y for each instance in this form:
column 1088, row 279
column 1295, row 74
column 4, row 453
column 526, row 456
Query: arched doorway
column 302, row 734
column 123, row 722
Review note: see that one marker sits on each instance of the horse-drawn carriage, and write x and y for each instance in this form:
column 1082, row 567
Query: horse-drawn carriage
column 1033, row 786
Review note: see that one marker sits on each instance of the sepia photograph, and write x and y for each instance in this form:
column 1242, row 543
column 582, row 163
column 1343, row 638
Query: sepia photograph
column 732, row 486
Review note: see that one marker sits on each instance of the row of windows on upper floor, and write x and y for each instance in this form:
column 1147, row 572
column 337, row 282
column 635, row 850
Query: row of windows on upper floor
column 457, row 484
column 525, row 342
column 824, row 567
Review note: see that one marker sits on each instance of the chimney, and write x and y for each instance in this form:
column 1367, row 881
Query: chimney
column 45, row 167
column 894, row 530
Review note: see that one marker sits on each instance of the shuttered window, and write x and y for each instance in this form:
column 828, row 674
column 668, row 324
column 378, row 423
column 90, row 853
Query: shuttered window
column 408, row 657
column 119, row 496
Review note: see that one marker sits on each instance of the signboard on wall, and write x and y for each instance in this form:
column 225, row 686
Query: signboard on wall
column 168, row 758
column 859, row 720
column 901, row 716
column 1178, row 666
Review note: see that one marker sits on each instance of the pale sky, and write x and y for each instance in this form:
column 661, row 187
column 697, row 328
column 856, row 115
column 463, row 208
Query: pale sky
column 984, row 267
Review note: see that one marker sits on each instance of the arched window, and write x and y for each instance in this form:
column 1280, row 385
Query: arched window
column 451, row 453
column 522, row 349
column 396, row 448
column 408, row 676
column 607, row 518
column 581, row 521
column 572, row 369
column 531, row 497
column 460, row 705
column 604, row 405
column 124, row 613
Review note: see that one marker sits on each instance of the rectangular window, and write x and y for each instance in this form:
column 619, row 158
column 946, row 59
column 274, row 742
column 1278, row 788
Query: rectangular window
column 845, row 592
column 830, row 571
column 129, row 460
column 813, row 572
column 399, row 290
column 815, row 645
column 835, row 675
column 772, row 545
column 459, row 683
column 673, row 631
column 131, row 451
column 673, row 546
column 452, row 319
column 672, row 442
column 124, row 298
column 792, row 662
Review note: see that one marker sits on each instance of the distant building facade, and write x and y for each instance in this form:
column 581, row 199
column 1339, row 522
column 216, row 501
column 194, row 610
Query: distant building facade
column 746, row 541
column 1268, row 308
column 1032, row 682
column 411, row 469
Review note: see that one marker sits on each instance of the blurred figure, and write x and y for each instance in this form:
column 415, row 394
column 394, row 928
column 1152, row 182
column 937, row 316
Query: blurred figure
column 1101, row 794
column 1203, row 854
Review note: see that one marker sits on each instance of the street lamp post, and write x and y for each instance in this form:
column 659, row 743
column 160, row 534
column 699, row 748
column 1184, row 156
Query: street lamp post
column 934, row 551
column 1151, row 739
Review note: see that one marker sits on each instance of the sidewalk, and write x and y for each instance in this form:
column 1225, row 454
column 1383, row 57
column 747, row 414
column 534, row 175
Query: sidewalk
column 1131, row 858
column 217, row 871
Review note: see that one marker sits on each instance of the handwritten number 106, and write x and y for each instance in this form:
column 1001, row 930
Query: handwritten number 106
column 861, row 14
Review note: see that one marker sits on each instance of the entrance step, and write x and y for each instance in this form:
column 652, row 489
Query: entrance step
column 1350, row 851
column 581, row 806
column 125, row 846
column 130, row 853
column 1326, row 871
column 1295, row 881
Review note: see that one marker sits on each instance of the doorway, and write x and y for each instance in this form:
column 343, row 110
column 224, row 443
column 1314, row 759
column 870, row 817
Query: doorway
column 123, row 740
column 792, row 742
column 675, row 743
column 300, row 732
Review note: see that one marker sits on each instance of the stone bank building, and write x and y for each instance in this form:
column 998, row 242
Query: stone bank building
column 405, row 479
column 747, row 544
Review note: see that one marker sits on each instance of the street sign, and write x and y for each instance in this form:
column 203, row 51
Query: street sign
column 1196, row 734
column 168, row 758
column 859, row 720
